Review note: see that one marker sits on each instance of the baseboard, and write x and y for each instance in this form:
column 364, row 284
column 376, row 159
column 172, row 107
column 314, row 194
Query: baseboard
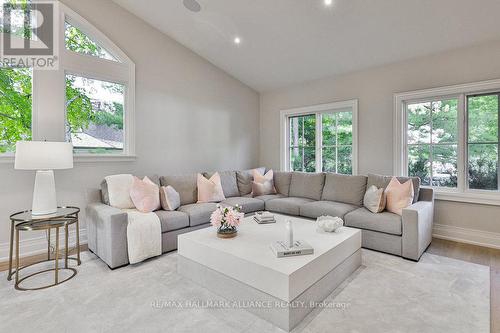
column 468, row 236
column 37, row 245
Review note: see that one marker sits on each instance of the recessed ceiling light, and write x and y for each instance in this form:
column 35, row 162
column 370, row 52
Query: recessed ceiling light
column 328, row 2
column 192, row 5
column 237, row 40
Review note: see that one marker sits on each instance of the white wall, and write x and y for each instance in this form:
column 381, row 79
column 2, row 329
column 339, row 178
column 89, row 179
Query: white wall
column 190, row 116
column 375, row 89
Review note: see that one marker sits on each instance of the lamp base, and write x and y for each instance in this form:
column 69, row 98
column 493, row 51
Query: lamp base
column 44, row 193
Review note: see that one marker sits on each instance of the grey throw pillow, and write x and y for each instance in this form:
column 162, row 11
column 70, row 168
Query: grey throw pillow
column 169, row 198
column 375, row 199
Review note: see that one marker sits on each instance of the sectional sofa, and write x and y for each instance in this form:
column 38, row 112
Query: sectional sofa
column 309, row 195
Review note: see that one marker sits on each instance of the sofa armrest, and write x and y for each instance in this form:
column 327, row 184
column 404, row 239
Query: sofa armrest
column 417, row 229
column 107, row 233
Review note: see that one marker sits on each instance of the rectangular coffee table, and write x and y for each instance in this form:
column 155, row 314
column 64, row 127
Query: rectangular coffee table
column 244, row 269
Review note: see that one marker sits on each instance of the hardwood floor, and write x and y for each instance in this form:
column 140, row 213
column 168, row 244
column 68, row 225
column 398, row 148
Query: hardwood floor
column 471, row 253
column 479, row 255
column 4, row 265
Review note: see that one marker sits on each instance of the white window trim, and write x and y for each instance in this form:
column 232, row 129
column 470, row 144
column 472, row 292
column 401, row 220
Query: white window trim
column 461, row 193
column 317, row 109
column 53, row 83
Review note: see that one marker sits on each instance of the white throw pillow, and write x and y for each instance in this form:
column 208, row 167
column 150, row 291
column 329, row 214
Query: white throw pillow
column 374, row 199
column 209, row 190
column 119, row 187
column 170, row 198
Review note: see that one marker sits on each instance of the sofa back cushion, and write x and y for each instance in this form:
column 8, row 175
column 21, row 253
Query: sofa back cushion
column 185, row 185
column 228, row 181
column 382, row 182
column 307, row 185
column 244, row 180
column 344, row 188
column 282, row 182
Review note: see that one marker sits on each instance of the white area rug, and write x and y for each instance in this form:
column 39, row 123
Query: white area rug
column 387, row 294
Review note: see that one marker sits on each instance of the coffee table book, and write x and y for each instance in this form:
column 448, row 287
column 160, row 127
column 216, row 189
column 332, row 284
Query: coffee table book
column 300, row 248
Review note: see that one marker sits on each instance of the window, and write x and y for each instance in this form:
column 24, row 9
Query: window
column 432, row 139
column 77, row 41
column 303, row 143
column 449, row 137
column 320, row 138
column 91, row 99
column 15, row 107
column 94, row 115
column 337, row 142
column 483, row 141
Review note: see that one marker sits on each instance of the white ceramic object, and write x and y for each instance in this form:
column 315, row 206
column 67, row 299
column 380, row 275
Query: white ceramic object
column 289, row 233
column 329, row 223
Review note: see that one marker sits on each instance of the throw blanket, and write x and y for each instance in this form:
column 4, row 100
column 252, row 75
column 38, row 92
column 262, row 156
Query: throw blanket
column 143, row 235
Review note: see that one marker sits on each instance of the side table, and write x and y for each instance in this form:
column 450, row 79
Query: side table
column 25, row 221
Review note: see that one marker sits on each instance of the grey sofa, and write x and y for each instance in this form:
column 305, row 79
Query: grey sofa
column 309, row 195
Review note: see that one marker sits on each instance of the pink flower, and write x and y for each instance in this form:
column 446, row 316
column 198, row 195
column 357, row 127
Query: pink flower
column 233, row 217
column 217, row 217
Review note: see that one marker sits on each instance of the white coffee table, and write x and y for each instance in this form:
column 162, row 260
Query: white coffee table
column 245, row 270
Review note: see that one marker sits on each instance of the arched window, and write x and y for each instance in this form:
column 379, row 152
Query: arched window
column 88, row 100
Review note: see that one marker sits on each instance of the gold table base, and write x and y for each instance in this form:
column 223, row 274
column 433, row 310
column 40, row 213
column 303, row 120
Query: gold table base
column 64, row 217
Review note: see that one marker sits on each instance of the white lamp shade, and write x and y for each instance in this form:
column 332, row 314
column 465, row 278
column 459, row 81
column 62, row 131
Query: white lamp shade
column 43, row 155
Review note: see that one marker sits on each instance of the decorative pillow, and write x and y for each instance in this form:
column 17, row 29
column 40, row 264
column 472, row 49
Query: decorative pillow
column 260, row 178
column 399, row 196
column 244, row 179
column 267, row 180
column 145, row 195
column 118, row 191
column 169, row 198
column 374, row 199
column 210, row 190
column 262, row 189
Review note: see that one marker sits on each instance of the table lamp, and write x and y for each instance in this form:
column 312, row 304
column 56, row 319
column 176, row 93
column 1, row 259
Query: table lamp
column 44, row 157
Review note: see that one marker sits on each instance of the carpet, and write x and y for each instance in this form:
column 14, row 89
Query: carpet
column 386, row 294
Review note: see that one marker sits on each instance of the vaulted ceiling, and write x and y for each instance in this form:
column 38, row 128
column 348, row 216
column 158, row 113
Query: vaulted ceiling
column 284, row 42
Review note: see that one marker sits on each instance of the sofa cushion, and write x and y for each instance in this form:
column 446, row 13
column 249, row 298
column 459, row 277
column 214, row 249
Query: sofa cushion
column 228, row 181
column 244, row 179
column 344, row 188
column 307, row 185
column 319, row 208
column 290, row 205
column 383, row 181
column 270, row 197
column 199, row 213
column 248, row 205
column 282, row 182
column 362, row 218
column 185, row 185
column 172, row 220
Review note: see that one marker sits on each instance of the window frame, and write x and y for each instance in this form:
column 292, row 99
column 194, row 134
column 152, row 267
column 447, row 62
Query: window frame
column 49, row 114
column 400, row 154
column 318, row 110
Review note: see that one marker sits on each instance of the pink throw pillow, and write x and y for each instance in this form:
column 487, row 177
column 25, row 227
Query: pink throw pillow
column 145, row 195
column 210, row 190
column 267, row 180
column 399, row 196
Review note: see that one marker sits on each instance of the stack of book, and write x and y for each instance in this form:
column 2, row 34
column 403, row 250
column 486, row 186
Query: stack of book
column 299, row 248
column 264, row 217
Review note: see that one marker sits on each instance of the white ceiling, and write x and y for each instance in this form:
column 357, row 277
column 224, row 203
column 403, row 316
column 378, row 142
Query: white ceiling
column 290, row 41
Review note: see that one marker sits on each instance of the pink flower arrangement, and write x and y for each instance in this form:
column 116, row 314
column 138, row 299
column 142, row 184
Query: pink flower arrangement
column 226, row 217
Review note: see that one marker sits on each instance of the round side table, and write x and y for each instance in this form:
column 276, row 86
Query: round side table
column 25, row 221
